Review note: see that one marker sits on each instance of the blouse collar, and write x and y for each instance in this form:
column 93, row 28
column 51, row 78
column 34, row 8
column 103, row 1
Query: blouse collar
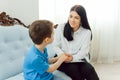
column 79, row 30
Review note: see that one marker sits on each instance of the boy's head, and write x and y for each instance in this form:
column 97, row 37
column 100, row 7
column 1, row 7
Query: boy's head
column 41, row 31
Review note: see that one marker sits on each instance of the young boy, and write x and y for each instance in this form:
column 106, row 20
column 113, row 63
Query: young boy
column 36, row 64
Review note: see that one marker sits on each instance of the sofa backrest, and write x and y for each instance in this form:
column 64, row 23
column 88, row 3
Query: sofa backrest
column 14, row 43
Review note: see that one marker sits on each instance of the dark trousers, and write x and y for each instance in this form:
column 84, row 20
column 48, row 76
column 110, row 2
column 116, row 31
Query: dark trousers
column 79, row 71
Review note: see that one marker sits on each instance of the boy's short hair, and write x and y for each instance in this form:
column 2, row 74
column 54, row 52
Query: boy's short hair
column 39, row 30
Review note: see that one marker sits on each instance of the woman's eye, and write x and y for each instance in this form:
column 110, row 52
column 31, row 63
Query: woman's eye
column 70, row 16
column 76, row 18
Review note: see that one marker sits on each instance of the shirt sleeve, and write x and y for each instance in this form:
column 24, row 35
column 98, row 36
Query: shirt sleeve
column 40, row 65
column 84, row 50
column 57, row 40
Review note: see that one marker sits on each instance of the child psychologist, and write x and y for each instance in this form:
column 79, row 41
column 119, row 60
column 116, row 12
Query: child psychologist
column 36, row 64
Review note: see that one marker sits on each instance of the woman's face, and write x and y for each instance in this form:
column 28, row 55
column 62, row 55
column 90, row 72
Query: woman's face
column 74, row 20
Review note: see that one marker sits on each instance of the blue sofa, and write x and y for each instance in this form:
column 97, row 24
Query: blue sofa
column 14, row 43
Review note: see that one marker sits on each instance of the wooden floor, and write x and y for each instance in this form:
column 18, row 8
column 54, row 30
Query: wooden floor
column 107, row 71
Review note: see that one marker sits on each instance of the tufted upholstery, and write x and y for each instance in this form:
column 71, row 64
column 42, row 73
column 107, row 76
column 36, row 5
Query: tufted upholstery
column 14, row 42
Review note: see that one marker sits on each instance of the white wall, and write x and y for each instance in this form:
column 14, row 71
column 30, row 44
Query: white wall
column 25, row 10
column 56, row 10
column 47, row 9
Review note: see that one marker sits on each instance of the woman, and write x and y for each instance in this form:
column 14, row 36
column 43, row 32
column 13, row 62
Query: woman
column 73, row 39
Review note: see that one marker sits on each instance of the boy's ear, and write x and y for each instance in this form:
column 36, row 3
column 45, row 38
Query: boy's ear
column 46, row 40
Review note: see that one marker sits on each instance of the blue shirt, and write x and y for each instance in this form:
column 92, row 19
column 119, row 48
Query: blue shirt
column 36, row 65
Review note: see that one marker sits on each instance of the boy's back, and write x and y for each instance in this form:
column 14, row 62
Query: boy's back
column 31, row 71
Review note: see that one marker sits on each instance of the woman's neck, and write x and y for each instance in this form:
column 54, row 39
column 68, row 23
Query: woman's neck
column 75, row 29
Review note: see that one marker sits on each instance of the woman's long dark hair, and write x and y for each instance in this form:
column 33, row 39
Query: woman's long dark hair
column 68, row 31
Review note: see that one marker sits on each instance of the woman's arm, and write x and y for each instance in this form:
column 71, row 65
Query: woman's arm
column 84, row 50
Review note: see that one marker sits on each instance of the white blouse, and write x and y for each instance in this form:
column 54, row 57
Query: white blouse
column 79, row 47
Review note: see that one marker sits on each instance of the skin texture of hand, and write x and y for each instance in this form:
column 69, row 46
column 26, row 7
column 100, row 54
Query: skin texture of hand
column 55, row 65
column 70, row 57
column 63, row 57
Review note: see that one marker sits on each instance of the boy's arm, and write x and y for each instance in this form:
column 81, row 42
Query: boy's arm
column 55, row 66
column 53, row 60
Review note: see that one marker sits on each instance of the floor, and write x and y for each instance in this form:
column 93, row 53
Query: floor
column 105, row 72
column 109, row 71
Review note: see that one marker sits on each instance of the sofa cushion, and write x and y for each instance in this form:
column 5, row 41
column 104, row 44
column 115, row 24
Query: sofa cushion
column 16, row 77
column 57, row 73
column 14, row 42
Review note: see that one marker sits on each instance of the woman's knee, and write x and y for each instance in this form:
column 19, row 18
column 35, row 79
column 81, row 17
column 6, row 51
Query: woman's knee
column 86, row 67
column 72, row 70
column 91, row 73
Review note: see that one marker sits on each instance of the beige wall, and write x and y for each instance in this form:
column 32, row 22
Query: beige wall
column 25, row 10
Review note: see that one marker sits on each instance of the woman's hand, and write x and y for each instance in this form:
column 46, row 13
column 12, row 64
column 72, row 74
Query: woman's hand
column 63, row 57
column 70, row 57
